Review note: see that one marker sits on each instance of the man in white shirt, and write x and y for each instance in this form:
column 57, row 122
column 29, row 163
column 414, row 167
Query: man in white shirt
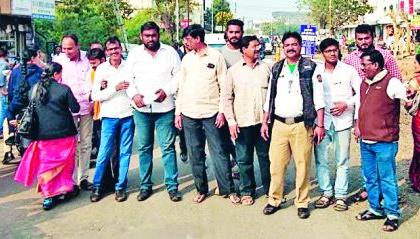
column 116, row 114
column 151, row 69
column 339, row 81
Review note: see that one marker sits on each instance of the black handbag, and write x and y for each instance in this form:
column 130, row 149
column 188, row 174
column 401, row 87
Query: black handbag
column 27, row 123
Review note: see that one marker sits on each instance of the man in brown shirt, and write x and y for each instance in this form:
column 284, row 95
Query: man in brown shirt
column 199, row 110
column 245, row 92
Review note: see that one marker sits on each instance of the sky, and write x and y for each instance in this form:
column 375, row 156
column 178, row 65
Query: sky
column 261, row 9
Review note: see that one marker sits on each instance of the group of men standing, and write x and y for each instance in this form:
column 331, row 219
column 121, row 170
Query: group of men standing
column 281, row 111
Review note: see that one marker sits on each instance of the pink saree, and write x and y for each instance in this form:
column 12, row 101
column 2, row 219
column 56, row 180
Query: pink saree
column 52, row 163
column 414, row 172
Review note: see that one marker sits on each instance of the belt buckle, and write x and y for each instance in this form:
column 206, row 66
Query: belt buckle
column 289, row 120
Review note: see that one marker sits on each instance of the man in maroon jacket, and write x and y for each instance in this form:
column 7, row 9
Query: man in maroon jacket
column 378, row 131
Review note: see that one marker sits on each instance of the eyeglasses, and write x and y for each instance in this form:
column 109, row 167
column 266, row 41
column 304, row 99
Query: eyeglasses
column 366, row 64
column 330, row 51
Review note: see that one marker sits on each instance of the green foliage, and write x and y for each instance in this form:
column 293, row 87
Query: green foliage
column 221, row 14
column 278, row 27
column 223, row 17
column 342, row 12
column 90, row 20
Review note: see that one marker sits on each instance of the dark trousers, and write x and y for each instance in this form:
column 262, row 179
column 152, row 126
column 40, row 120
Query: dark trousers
column 182, row 145
column 227, row 142
column 197, row 131
column 248, row 139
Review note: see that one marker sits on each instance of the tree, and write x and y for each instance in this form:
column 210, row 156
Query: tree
column 166, row 14
column 90, row 20
column 278, row 27
column 221, row 14
column 342, row 12
column 222, row 18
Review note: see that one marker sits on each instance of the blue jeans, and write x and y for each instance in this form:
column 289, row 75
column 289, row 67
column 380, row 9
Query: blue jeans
column 146, row 123
column 379, row 167
column 3, row 110
column 340, row 140
column 108, row 132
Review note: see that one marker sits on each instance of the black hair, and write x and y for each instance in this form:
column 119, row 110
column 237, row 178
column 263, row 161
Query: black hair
column 327, row 42
column 246, row 40
column 364, row 28
column 73, row 37
column 194, row 31
column 28, row 54
column 42, row 92
column 113, row 40
column 418, row 58
column 288, row 35
column 95, row 42
column 3, row 52
column 375, row 57
column 95, row 53
column 235, row 22
column 149, row 26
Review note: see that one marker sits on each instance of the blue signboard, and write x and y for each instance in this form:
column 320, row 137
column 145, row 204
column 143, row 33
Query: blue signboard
column 308, row 33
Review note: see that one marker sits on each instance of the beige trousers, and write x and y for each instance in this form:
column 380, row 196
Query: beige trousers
column 288, row 140
column 84, row 125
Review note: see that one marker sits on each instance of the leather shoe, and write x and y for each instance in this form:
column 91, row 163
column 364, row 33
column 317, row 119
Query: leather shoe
column 95, row 196
column 144, row 194
column 120, row 195
column 270, row 209
column 303, row 213
column 86, row 185
column 174, row 195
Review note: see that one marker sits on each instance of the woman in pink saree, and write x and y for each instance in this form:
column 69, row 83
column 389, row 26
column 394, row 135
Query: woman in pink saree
column 50, row 158
column 414, row 84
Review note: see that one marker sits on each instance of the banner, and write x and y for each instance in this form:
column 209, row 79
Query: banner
column 22, row 7
column 44, row 9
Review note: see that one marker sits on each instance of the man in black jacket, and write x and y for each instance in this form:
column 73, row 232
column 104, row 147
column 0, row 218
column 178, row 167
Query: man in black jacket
column 293, row 102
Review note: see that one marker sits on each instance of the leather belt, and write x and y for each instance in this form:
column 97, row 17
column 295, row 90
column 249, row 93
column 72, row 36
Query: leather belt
column 290, row 120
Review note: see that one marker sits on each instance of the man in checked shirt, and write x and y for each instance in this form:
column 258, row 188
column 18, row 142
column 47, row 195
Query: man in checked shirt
column 364, row 42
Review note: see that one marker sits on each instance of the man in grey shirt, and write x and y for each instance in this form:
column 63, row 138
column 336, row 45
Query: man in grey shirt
column 233, row 34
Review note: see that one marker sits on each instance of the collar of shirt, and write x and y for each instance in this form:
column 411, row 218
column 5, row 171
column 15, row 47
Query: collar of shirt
column 381, row 75
column 162, row 47
column 204, row 52
column 258, row 62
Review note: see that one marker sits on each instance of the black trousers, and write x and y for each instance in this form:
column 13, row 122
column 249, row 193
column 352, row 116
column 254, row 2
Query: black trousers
column 197, row 131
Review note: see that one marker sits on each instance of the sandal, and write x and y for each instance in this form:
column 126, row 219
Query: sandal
column 390, row 225
column 368, row 215
column 323, row 202
column 247, row 200
column 234, row 199
column 199, row 198
column 340, row 205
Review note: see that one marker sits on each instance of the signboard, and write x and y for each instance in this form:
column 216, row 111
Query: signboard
column 44, row 9
column 308, row 33
column 22, row 7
